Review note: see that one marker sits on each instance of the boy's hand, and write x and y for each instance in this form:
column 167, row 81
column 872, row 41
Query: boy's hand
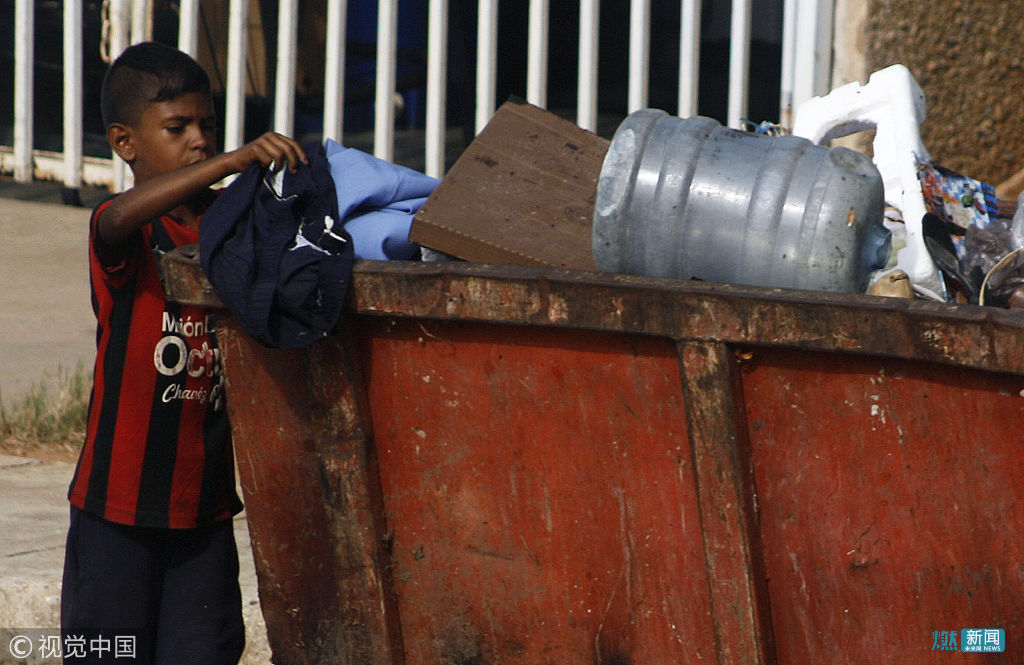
column 273, row 150
column 172, row 192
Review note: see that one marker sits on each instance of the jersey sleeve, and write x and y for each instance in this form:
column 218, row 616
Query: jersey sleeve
column 115, row 263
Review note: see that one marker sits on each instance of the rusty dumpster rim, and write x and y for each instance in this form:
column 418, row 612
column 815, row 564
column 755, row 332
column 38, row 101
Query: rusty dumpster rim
column 965, row 335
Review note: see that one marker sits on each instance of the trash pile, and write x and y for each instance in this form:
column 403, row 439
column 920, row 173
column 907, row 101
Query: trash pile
column 974, row 240
column 689, row 199
column 955, row 241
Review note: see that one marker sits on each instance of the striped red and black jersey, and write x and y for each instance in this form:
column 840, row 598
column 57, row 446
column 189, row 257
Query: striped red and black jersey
column 157, row 450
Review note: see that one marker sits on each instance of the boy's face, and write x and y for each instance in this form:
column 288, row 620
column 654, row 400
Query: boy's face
column 171, row 135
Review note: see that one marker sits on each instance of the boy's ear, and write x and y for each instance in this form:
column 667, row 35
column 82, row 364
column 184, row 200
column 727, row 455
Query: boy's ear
column 122, row 141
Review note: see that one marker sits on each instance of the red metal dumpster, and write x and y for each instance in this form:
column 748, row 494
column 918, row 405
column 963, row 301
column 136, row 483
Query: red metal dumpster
column 504, row 465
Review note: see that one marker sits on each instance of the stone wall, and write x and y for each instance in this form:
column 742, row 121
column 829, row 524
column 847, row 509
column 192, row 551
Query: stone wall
column 968, row 57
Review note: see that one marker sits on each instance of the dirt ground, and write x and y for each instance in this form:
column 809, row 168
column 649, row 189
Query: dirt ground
column 45, row 453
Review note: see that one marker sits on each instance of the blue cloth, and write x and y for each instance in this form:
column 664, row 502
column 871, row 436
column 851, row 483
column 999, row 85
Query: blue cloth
column 273, row 248
column 377, row 201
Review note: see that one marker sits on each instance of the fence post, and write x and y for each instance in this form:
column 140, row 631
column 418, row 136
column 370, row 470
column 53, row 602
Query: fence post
column 806, row 53
column 437, row 74
column 537, row 48
column 234, row 95
column 486, row 62
column 384, row 101
column 188, row 24
column 739, row 62
column 586, row 111
column 72, row 95
column 334, row 70
column 24, row 60
column 287, row 53
column 142, row 21
column 639, row 53
column 119, row 25
column 689, row 57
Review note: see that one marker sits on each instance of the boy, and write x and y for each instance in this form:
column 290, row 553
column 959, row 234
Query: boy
column 151, row 564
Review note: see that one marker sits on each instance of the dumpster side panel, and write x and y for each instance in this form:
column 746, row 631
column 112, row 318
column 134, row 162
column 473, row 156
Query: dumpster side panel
column 724, row 478
column 890, row 504
column 301, row 443
column 538, row 487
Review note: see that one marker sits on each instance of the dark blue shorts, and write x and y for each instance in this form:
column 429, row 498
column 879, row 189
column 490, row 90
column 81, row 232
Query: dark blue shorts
column 171, row 596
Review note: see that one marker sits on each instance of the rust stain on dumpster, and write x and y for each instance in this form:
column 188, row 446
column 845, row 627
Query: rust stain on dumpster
column 548, row 472
column 890, row 496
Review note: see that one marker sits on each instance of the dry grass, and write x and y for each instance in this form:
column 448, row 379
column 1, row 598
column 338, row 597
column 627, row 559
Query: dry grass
column 50, row 419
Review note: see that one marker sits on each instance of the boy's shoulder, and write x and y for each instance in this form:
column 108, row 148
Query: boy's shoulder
column 103, row 203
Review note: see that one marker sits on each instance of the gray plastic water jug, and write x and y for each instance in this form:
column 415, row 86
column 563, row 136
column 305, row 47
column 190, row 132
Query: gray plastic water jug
column 689, row 198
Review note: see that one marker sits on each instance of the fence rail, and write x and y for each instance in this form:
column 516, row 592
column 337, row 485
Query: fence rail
column 804, row 55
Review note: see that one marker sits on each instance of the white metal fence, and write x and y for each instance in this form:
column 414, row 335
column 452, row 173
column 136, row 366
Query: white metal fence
column 805, row 54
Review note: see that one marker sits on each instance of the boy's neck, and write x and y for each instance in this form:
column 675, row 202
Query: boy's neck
column 190, row 211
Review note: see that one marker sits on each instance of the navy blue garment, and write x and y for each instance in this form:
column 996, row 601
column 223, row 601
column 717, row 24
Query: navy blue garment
column 157, row 596
column 275, row 251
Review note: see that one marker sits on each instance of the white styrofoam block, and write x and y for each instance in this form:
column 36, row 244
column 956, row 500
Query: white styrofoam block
column 892, row 102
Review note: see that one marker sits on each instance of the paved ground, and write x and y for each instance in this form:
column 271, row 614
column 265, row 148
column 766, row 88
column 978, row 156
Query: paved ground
column 33, row 519
column 46, row 320
column 46, row 325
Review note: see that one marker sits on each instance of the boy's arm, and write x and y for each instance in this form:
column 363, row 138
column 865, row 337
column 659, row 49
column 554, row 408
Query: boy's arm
column 147, row 200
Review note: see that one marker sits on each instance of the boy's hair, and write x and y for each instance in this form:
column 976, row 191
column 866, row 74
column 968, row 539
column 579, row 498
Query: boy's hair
column 146, row 73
